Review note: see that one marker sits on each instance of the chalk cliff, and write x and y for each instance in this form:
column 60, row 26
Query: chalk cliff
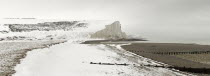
column 112, row 31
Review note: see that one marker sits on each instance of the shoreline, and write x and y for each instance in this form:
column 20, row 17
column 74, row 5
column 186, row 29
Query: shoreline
column 169, row 53
column 12, row 57
column 157, row 64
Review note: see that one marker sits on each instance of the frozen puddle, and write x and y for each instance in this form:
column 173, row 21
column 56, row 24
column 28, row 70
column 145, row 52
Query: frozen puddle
column 73, row 59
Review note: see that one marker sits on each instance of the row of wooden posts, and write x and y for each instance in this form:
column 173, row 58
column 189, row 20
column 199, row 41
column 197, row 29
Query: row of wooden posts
column 176, row 53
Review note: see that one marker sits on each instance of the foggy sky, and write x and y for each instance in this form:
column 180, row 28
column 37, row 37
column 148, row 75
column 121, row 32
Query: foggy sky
column 145, row 12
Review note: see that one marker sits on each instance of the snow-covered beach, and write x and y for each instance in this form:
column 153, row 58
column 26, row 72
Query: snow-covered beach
column 73, row 58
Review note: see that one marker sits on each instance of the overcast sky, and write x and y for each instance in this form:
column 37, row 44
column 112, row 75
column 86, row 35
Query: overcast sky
column 147, row 12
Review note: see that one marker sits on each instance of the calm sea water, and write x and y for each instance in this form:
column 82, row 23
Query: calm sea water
column 199, row 34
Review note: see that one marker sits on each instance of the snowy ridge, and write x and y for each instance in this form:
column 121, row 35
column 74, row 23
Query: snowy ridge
column 93, row 26
column 46, row 26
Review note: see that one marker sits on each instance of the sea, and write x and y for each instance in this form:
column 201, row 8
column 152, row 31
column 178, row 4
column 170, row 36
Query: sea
column 195, row 34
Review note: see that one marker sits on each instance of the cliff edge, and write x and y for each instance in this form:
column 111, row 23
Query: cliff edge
column 112, row 31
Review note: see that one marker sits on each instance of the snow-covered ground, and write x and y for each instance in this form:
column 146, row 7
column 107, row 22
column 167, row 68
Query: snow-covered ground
column 73, row 59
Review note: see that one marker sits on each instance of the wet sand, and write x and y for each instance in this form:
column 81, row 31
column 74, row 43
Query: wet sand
column 191, row 58
column 179, row 56
column 110, row 41
column 11, row 53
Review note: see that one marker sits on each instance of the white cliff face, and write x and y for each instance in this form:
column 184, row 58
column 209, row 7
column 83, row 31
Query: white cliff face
column 112, row 31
